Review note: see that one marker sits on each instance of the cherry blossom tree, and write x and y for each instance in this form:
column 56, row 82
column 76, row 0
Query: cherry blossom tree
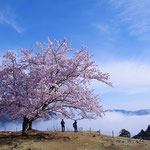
column 55, row 79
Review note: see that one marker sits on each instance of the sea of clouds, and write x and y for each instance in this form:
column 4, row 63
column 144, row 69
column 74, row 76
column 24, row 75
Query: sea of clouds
column 112, row 121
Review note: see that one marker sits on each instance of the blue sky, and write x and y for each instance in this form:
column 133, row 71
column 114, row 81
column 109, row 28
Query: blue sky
column 116, row 32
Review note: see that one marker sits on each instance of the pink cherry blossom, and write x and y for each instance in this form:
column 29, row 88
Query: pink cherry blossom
column 55, row 79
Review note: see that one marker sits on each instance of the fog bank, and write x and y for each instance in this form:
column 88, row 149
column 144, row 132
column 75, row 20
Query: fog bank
column 112, row 121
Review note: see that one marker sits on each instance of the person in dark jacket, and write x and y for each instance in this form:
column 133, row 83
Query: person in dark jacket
column 75, row 126
column 63, row 125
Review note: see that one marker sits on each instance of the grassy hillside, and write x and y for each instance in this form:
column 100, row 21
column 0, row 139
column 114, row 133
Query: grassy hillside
column 69, row 141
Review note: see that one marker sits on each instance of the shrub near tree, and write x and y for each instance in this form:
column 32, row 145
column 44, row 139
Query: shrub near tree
column 55, row 79
column 125, row 133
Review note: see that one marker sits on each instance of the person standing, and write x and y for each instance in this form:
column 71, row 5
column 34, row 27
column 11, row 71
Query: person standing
column 63, row 125
column 75, row 126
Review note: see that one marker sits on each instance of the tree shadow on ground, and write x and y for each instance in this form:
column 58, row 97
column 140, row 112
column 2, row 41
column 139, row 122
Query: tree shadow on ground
column 12, row 138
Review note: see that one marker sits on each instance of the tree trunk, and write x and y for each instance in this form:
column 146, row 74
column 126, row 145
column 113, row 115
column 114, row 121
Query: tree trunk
column 25, row 126
column 30, row 125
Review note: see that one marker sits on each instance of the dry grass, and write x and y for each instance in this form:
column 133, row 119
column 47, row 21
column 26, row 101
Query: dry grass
column 69, row 141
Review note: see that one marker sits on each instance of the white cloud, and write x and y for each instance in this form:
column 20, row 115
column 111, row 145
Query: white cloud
column 136, row 14
column 127, row 76
column 7, row 16
column 107, row 31
column 103, row 28
column 112, row 121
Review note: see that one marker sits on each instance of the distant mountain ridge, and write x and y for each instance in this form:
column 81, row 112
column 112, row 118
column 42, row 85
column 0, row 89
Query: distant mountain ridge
column 140, row 112
column 143, row 134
